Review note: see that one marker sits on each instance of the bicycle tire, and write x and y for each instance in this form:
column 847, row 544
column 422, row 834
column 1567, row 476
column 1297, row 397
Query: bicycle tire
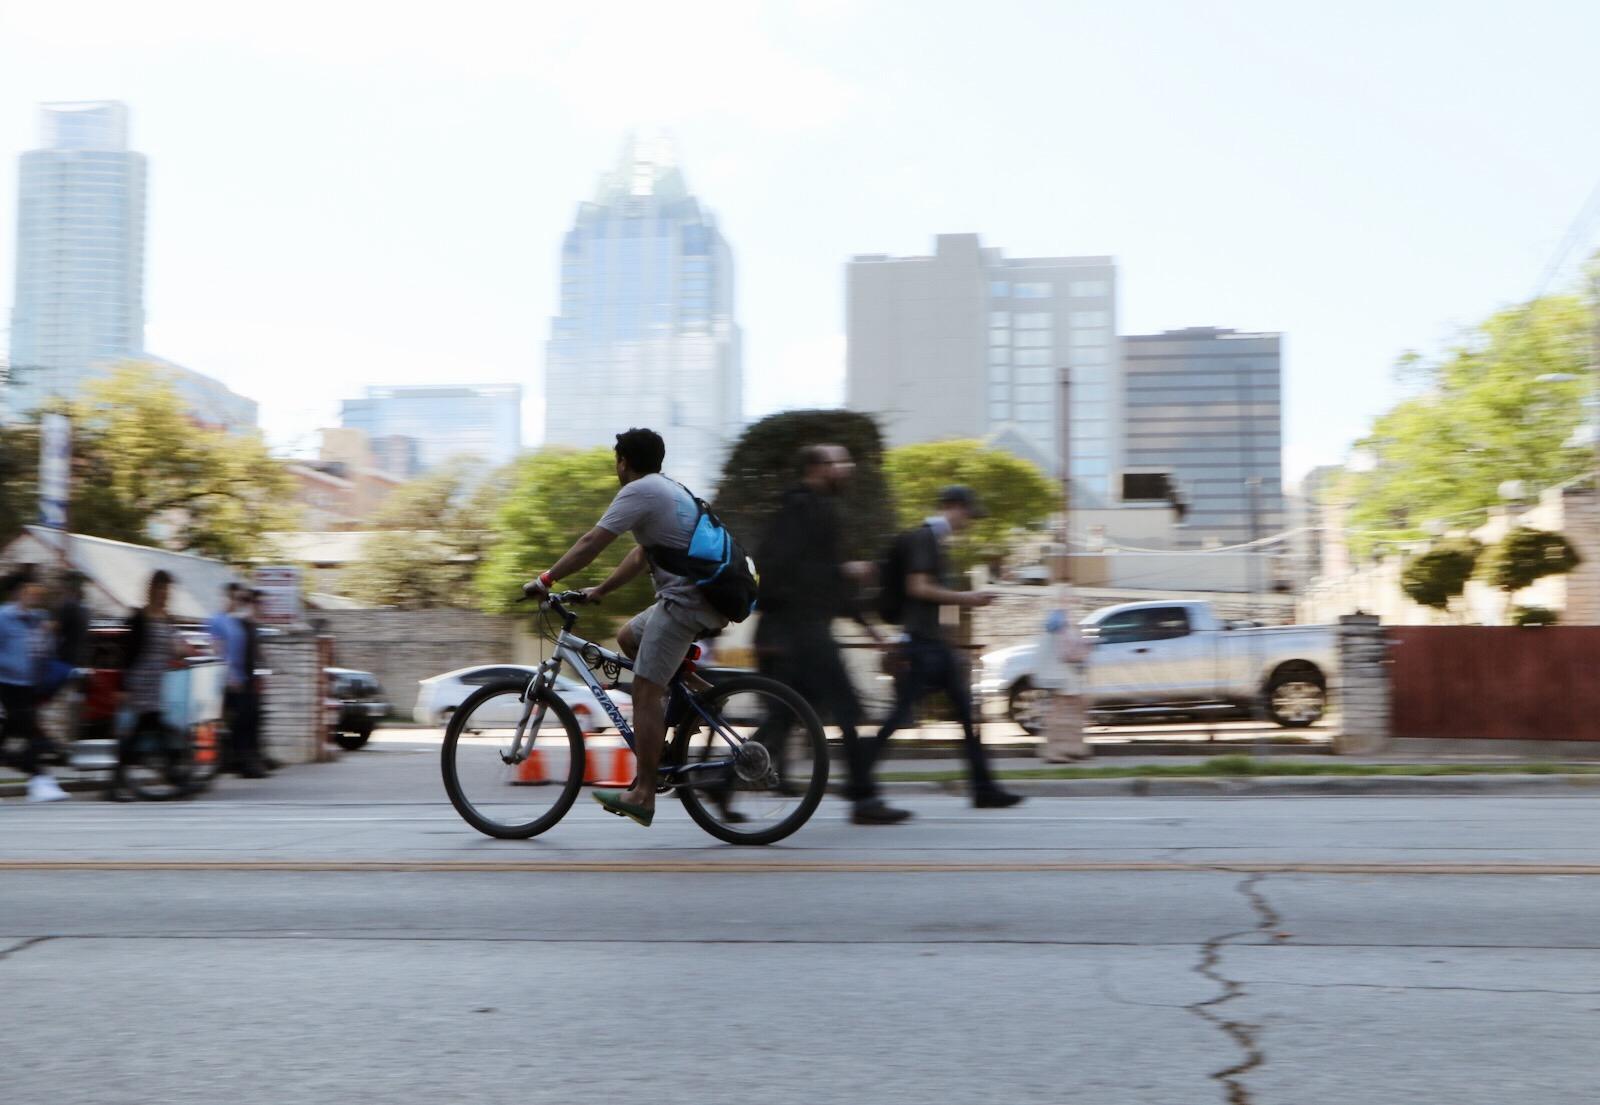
column 692, row 799
column 452, row 783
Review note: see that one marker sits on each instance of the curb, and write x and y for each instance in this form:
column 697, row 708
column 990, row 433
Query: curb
column 1283, row 786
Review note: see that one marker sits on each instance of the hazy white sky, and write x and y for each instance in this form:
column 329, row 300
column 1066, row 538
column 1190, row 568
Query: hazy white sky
column 345, row 193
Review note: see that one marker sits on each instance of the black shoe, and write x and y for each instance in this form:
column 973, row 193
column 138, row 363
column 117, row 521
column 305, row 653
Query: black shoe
column 995, row 799
column 252, row 772
column 270, row 764
column 877, row 812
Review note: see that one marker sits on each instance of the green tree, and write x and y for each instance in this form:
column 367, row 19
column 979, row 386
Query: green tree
column 1441, row 573
column 556, row 496
column 765, row 462
column 1014, row 491
column 1524, row 556
column 145, row 473
column 1479, row 416
column 431, row 534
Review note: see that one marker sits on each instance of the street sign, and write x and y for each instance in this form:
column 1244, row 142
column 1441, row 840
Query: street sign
column 55, row 470
column 280, row 595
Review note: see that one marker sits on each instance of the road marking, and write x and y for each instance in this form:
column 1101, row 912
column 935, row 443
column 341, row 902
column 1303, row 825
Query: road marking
column 795, row 867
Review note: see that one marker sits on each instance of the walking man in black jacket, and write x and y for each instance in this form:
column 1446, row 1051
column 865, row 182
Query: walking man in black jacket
column 805, row 584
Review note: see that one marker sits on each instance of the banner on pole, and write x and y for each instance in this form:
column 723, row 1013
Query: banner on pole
column 55, row 470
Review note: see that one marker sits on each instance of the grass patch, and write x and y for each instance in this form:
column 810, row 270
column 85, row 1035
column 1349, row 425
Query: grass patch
column 1236, row 766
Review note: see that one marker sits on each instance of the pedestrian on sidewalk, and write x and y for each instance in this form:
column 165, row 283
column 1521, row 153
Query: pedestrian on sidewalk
column 152, row 648
column 25, row 647
column 920, row 565
column 229, row 639
column 254, row 761
column 806, row 583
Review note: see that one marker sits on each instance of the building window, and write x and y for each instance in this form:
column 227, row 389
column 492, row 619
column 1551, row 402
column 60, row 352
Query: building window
column 1087, row 289
column 999, row 318
column 999, row 337
column 999, row 289
column 1035, row 320
column 1089, row 318
column 1033, row 393
column 1091, row 356
column 999, row 411
column 1033, row 339
column 1000, row 356
column 1035, row 374
column 1031, row 291
column 1034, row 412
column 999, row 391
column 999, row 372
column 1084, row 338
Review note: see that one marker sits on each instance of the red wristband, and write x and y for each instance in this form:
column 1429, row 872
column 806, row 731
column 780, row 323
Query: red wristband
column 546, row 579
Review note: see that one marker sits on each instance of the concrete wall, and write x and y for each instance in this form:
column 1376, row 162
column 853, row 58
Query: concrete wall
column 294, row 723
column 401, row 647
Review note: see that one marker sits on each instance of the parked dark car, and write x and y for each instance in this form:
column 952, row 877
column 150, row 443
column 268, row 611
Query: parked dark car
column 359, row 701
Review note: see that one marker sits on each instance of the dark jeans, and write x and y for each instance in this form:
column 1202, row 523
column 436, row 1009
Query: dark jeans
column 241, row 709
column 803, row 654
column 932, row 665
column 22, row 720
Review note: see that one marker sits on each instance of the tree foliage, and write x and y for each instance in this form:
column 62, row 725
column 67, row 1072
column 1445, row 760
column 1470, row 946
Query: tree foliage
column 1479, row 416
column 1526, row 555
column 556, row 496
column 1441, row 573
column 1015, row 492
column 144, row 472
column 765, row 462
column 432, row 533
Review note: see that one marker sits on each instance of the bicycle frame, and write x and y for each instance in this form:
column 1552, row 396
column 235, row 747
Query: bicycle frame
column 584, row 656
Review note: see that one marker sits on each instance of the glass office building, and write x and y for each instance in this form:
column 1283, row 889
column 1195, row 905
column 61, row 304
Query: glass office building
column 969, row 343
column 646, row 333
column 481, row 423
column 79, row 253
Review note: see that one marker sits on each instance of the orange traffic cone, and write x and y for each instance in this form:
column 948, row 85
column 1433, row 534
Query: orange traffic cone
column 205, row 744
column 530, row 772
column 623, row 766
column 592, row 771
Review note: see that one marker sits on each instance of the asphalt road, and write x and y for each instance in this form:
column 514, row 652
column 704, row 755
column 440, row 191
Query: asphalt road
column 336, row 934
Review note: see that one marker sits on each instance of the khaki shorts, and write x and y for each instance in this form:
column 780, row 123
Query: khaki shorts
column 664, row 631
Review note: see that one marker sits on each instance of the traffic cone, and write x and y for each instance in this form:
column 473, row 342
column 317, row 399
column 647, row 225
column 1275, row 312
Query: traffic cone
column 205, row 744
column 593, row 772
column 624, row 768
column 530, row 772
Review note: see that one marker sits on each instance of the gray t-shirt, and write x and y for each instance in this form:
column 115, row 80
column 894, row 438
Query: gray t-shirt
column 659, row 512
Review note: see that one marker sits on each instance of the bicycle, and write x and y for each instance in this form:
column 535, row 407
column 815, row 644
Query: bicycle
column 746, row 756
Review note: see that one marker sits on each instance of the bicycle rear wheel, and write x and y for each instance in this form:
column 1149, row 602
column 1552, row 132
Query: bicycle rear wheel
column 773, row 783
column 512, row 801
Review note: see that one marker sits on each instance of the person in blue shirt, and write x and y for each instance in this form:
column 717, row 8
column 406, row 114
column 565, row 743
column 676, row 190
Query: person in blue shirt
column 232, row 634
column 25, row 646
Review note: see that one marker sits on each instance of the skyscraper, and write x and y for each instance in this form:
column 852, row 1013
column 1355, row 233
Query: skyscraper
column 1205, row 408
column 970, row 343
column 80, row 252
column 646, row 333
column 482, row 422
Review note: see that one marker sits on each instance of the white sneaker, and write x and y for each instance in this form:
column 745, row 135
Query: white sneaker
column 44, row 788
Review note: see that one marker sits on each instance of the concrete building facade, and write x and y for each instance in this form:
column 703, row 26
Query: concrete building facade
column 79, row 295
column 967, row 342
column 1204, row 407
column 646, row 334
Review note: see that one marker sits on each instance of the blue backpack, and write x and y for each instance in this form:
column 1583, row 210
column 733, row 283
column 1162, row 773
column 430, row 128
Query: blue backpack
column 715, row 562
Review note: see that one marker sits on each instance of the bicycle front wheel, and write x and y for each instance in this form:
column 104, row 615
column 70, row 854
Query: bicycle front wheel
column 512, row 801
column 772, row 781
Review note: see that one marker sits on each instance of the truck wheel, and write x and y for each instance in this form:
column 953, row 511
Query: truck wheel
column 1029, row 706
column 1297, row 697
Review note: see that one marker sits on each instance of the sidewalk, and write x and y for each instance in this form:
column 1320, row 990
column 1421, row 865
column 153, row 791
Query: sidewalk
column 403, row 766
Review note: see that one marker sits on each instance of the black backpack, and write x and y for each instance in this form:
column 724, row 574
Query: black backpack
column 715, row 562
column 892, row 579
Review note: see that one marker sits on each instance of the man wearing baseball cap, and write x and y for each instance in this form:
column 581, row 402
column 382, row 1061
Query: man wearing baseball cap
column 930, row 661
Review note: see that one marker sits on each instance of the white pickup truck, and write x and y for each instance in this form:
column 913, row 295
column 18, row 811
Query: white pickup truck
column 1179, row 659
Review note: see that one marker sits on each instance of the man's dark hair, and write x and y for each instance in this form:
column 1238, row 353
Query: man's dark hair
column 642, row 449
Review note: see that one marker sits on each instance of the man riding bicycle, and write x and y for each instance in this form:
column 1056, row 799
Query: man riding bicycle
column 658, row 512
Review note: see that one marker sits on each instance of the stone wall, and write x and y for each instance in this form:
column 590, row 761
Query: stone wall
column 1361, row 688
column 1581, row 510
column 401, row 647
column 294, row 722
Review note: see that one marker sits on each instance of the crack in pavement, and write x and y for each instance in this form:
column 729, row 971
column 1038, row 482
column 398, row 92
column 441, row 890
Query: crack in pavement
column 1243, row 1034
column 32, row 941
